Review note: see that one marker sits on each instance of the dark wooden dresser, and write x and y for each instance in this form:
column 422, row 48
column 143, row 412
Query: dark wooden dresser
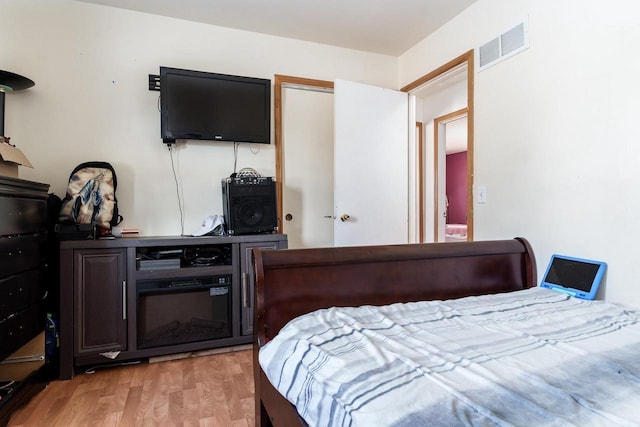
column 23, row 234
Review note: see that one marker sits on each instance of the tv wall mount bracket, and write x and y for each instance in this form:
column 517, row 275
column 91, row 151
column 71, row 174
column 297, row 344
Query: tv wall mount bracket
column 154, row 82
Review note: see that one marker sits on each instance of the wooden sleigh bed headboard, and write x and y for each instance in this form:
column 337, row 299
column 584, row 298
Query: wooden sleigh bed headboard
column 293, row 282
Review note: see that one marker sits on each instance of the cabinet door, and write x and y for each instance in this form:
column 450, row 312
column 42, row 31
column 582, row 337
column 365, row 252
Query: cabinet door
column 100, row 301
column 248, row 280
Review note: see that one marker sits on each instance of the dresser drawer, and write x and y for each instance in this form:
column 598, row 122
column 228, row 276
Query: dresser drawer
column 20, row 329
column 21, row 215
column 19, row 291
column 21, row 253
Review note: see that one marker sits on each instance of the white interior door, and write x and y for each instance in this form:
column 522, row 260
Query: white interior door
column 371, row 156
column 307, row 202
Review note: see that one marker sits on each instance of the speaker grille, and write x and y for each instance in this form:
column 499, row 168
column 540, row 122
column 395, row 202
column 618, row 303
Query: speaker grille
column 249, row 205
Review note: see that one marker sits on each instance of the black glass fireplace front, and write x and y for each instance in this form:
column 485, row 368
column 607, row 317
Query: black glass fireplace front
column 172, row 312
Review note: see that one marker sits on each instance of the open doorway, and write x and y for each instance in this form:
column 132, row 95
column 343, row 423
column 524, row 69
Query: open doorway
column 358, row 217
column 305, row 186
column 448, row 88
column 450, row 182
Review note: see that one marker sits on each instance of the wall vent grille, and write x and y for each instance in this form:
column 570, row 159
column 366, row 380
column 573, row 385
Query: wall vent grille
column 489, row 52
column 503, row 46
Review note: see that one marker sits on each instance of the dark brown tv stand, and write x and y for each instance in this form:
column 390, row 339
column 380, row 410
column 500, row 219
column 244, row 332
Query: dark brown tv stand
column 112, row 297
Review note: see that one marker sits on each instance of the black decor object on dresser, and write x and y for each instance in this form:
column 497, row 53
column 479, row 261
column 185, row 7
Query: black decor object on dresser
column 23, row 234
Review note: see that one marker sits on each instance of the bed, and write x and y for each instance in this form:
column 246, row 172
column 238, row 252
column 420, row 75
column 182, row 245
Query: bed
column 298, row 290
column 455, row 232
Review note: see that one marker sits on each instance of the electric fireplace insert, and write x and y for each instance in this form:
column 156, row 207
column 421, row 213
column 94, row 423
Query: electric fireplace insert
column 178, row 311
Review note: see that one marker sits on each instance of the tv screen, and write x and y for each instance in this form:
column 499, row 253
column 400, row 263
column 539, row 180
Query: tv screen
column 214, row 107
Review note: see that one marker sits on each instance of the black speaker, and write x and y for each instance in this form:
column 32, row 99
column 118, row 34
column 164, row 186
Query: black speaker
column 249, row 205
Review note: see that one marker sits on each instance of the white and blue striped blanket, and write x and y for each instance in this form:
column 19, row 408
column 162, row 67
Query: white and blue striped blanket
column 528, row 358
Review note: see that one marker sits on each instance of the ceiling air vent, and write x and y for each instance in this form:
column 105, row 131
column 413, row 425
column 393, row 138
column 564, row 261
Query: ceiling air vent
column 503, row 46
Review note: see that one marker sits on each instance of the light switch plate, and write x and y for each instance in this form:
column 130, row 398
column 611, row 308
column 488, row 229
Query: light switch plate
column 482, row 194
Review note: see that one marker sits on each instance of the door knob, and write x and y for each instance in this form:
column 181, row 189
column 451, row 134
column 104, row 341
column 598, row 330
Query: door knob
column 344, row 217
column 288, row 217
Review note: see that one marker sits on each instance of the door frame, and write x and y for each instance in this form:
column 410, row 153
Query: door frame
column 468, row 58
column 280, row 81
column 421, row 190
column 443, row 120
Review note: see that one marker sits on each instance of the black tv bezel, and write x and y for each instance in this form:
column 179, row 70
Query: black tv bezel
column 170, row 137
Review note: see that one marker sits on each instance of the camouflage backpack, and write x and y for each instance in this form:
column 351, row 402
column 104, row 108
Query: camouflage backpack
column 91, row 196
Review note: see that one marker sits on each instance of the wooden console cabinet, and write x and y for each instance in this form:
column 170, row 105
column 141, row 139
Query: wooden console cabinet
column 99, row 280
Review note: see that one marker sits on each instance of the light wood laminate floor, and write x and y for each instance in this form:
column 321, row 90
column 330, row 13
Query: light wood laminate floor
column 214, row 390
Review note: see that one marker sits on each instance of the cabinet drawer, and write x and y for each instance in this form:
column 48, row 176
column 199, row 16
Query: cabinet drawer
column 21, row 253
column 20, row 215
column 20, row 329
column 18, row 292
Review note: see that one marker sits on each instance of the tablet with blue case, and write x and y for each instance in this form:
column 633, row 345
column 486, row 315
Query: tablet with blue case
column 577, row 277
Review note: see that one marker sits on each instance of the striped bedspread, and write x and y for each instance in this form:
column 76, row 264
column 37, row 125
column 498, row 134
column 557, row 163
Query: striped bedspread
column 528, row 358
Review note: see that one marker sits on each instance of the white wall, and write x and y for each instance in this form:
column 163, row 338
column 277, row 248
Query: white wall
column 555, row 129
column 554, row 125
column 91, row 100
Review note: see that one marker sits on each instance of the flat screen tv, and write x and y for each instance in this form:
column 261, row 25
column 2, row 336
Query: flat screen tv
column 214, row 107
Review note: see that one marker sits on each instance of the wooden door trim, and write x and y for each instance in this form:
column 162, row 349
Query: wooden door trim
column 421, row 160
column 467, row 57
column 279, row 81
